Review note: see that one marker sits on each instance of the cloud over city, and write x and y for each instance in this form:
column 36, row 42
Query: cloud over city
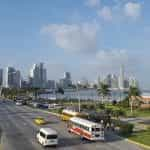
column 74, row 37
column 132, row 9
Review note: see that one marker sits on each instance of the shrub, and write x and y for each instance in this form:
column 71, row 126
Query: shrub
column 91, row 107
column 101, row 106
column 126, row 129
column 114, row 102
column 118, row 112
column 124, row 103
column 108, row 110
column 84, row 106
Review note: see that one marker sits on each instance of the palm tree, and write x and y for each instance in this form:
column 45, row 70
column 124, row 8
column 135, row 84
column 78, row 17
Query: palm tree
column 103, row 90
column 134, row 96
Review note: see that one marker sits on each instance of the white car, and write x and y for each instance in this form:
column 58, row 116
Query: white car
column 47, row 137
column 18, row 103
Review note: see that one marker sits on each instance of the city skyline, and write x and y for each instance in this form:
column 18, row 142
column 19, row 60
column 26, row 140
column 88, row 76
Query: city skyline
column 37, row 78
column 95, row 38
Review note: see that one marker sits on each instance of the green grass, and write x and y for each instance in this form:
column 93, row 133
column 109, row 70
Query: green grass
column 141, row 137
column 138, row 113
column 55, row 110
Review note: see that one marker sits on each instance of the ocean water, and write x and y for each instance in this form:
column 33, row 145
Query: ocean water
column 86, row 94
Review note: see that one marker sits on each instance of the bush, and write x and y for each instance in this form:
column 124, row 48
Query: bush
column 101, row 106
column 118, row 112
column 124, row 103
column 126, row 129
column 91, row 107
column 108, row 110
column 84, row 106
column 114, row 102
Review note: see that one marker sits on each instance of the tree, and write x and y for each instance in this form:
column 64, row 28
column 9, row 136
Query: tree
column 134, row 96
column 103, row 90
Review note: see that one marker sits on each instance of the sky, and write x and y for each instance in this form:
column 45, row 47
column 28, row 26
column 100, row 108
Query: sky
column 89, row 38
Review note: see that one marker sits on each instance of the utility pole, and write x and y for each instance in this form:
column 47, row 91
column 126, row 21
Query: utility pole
column 79, row 105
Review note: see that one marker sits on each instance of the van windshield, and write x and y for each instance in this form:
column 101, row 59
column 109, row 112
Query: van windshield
column 54, row 136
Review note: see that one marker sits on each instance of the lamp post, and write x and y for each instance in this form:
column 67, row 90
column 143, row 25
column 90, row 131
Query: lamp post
column 79, row 105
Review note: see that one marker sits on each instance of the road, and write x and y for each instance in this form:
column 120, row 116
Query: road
column 18, row 131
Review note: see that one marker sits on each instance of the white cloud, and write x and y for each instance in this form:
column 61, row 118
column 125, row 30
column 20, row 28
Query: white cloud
column 73, row 37
column 93, row 3
column 105, row 13
column 112, row 58
column 132, row 9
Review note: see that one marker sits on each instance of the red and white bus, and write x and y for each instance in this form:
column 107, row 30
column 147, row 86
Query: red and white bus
column 86, row 129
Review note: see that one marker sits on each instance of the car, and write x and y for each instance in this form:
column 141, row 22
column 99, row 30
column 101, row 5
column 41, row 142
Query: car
column 47, row 137
column 18, row 103
column 40, row 121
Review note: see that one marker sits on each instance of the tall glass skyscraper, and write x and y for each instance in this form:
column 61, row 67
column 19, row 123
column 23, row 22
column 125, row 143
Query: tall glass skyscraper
column 121, row 77
column 39, row 75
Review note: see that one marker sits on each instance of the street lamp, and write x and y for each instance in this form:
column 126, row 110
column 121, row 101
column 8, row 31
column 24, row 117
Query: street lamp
column 79, row 105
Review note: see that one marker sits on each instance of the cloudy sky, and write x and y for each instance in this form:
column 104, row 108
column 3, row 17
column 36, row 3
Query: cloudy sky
column 86, row 37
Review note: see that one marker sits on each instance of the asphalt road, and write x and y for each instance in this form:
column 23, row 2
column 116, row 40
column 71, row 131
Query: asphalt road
column 18, row 131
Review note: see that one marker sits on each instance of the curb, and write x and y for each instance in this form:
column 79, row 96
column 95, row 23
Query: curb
column 48, row 112
column 44, row 111
column 133, row 142
column 137, row 143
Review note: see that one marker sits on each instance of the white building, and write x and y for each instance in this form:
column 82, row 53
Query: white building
column 121, row 77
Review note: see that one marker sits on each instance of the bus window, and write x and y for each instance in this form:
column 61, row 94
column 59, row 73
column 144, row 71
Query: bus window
column 96, row 129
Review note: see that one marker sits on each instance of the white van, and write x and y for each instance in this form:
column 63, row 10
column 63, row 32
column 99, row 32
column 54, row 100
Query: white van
column 47, row 137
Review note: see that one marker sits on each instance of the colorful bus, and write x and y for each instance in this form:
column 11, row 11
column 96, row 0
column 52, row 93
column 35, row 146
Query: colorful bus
column 86, row 129
column 67, row 114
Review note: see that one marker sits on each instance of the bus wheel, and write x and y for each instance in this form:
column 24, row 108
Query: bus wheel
column 69, row 131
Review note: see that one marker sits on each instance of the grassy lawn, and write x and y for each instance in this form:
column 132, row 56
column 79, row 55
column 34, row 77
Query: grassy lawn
column 55, row 110
column 141, row 137
column 138, row 113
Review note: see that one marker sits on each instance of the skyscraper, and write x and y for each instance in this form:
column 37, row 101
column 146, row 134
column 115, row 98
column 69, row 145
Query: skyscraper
column 12, row 78
column 67, row 75
column 121, row 77
column 66, row 81
column 38, row 74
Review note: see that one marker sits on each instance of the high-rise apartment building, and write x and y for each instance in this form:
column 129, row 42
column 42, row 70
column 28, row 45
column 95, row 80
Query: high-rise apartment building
column 12, row 78
column 38, row 75
column 66, row 81
column 51, row 84
column 121, row 77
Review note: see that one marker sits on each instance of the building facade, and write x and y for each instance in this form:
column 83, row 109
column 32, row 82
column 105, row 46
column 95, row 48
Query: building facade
column 38, row 76
column 13, row 78
column 121, row 77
